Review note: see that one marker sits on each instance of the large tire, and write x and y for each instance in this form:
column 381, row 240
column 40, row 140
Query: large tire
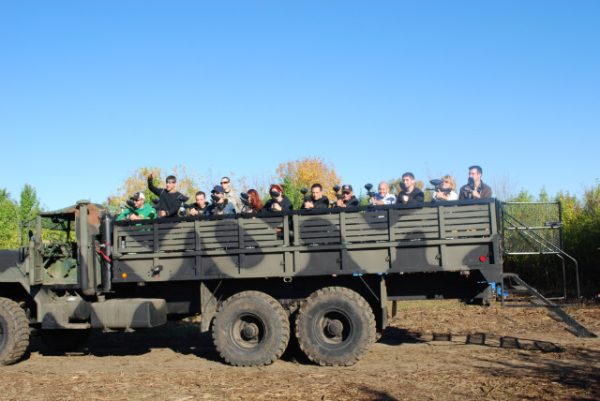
column 335, row 326
column 251, row 329
column 14, row 332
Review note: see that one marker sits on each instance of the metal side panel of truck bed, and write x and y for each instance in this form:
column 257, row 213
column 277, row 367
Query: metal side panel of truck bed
column 431, row 237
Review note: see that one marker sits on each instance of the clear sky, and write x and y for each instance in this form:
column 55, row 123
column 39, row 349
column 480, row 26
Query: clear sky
column 90, row 91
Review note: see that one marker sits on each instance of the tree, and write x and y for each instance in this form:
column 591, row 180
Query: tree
column 9, row 221
column 29, row 208
column 305, row 172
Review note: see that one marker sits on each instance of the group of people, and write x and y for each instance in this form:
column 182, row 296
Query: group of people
column 226, row 201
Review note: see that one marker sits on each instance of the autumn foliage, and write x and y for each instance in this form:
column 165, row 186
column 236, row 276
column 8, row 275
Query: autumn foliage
column 305, row 172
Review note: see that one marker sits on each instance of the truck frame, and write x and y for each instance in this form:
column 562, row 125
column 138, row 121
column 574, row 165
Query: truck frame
column 324, row 277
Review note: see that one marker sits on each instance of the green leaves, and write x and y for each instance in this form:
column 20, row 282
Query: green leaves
column 15, row 217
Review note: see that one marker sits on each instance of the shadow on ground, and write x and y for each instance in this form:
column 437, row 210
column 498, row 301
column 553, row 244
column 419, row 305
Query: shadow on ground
column 578, row 370
column 183, row 338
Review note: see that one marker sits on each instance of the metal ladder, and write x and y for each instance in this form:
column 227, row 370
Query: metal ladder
column 554, row 310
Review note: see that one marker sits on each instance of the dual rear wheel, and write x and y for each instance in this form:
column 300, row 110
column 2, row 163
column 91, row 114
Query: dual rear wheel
column 334, row 327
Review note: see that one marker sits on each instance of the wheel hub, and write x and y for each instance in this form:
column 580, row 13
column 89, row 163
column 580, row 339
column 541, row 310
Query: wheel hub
column 334, row 328
column 250, row 331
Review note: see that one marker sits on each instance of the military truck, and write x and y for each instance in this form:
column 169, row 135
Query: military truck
column 322, row 276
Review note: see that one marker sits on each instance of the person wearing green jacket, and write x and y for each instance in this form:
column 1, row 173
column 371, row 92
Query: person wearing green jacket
column 142, row 210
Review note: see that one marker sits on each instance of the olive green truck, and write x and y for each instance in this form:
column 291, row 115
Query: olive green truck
column 324, row 277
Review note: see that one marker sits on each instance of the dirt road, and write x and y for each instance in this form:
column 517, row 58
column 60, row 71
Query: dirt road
column 177, row 363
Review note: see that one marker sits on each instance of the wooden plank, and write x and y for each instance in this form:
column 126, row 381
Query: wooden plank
column 416, row 221
column 321, row 241
column 264, row 244
column 220, row 234
column 259, row 231
column 470, row 220
column 366, row 219
column 467, row 233
column 366, row 233
column 212, row 240
column 262, row 220
column 371, row 238
column 178, row 234
column 254, row 226
column 136, row 249
column 322, row 234
column 146, row 237
column 176, row 248
column 319, row 222
column 223, row 222
column 374, row 226
column 467, row 207
column 134, row 229
column 319, row 228
column 180, row 224
column 418, row 216
column 430, row 229
column 405, row 237
column 403, row 213
column 217, row 231
column 220, row 246
column 469, row 227
column 262, row 235
column 176, row 242
column 423, row 223
column 465, row 214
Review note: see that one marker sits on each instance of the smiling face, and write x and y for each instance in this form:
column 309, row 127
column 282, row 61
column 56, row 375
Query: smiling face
column 409, row 182
column 383, row 189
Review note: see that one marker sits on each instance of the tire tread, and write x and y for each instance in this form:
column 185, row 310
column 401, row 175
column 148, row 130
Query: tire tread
column 18, row 335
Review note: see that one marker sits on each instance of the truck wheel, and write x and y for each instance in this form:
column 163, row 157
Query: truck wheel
column 59, row 341
column 14, row 332
column 335, row 326
column 251, row 329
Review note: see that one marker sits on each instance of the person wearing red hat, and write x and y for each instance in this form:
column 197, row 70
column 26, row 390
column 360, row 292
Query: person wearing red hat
column 278, row 202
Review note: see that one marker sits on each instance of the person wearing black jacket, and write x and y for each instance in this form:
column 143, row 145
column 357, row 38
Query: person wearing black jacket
column 348, row 199
column 317, row 199
column 278, row 202
column 409, row 193
column 199, row 207
column 169, row 199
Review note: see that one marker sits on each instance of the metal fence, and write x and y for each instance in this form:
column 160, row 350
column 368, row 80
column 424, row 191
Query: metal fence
column 532, row 228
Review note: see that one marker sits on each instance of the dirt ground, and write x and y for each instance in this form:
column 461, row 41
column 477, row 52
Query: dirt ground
column 412, row 361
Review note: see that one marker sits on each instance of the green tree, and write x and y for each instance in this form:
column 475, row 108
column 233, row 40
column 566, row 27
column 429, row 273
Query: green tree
column 29, row 208
column 523, row 196
column 9, row 221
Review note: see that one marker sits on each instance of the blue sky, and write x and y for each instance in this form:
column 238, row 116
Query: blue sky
column 90, row 91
